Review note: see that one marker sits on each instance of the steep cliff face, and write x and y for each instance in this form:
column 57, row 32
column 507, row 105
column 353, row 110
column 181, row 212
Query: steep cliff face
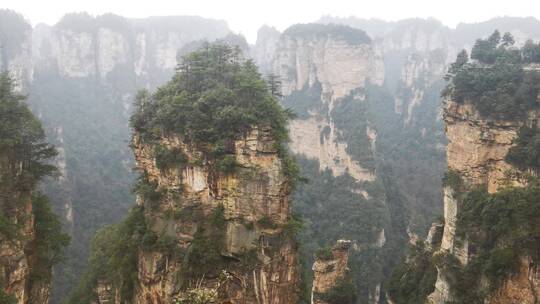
column 16, row 48
column 330, row 76
column 81, row 46
column 332, row 68
column 329, row 271
column 491, row 133
column 213, row 220
column 14, row 261
column 477, row 148
column 262, row 263
column 305, row 57
column 265, row 48
column 88, row 69
column 30, row 234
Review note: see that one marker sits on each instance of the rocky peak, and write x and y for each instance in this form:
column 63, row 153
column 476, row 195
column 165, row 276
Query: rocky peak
column 330, row 270
column 340, row 59
column 255, row 208
column 265, row 47
column 479, row 142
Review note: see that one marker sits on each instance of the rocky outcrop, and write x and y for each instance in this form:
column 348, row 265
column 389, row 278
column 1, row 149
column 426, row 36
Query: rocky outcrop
column 15, row 262
column 259, row 254
column 329, row 271
column 476, row 150
column 31, row 239
column 523, row 288
column 265, row 48
column 477, row 146
column 340, row 67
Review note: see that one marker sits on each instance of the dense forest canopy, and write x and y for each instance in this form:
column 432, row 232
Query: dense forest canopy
column 496, row 82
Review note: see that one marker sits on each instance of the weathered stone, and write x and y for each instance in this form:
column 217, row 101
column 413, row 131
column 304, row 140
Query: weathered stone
column 327, row 273
column 257, row 190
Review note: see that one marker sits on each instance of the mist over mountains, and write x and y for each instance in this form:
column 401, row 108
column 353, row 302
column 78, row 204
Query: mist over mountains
column 368, row 133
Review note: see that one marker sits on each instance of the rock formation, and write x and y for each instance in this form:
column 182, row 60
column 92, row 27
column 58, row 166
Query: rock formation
column 476, row 151
column 329, row 271
column 15, row 262
column 30, row 234
column 255, row 195
column 304, row 61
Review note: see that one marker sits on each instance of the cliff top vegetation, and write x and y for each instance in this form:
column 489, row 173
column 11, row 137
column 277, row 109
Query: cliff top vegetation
column 496, row 81
column 351, row 35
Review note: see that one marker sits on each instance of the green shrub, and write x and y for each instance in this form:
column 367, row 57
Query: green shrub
column 204, row 255
column 350, row 116
column 453, row 180
column 50, row 240
column 324, row 253
column 267, row 222
column 114, row 257
column 227, row 164
column 7, row 228
column 344, row 292
column 500, row 228
column 147, row 190
column 6, row 298
column 525, row 154
column 22, row 141
column 167, row 158
column 293, row 226
column 413, row 280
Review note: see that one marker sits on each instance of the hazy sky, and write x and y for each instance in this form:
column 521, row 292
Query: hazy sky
column 246, row 16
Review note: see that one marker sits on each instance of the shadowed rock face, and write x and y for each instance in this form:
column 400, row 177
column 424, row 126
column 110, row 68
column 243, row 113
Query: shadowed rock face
column 258, row 257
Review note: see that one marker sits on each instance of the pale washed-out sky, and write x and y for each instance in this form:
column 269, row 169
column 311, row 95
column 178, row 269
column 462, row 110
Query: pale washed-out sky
column 246, row 16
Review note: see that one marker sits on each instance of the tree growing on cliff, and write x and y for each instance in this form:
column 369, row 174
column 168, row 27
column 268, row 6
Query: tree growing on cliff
column 496, row 83
column 22, row 140
column 24, row 162
column 215, row 97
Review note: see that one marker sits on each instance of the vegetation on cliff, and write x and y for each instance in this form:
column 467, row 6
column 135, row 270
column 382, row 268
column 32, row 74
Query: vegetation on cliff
column 525, row 154
column 414, row 279
column 343, row 292
column 215, row 97
column 496, row 83
column 314, row 30
column 113, row 258
column 24, row 162
column 500, row 228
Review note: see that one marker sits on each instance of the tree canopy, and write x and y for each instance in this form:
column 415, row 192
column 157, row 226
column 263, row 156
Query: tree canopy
column 216, row 94
column 216, row 97
column 496, row 82
column 22, row 141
